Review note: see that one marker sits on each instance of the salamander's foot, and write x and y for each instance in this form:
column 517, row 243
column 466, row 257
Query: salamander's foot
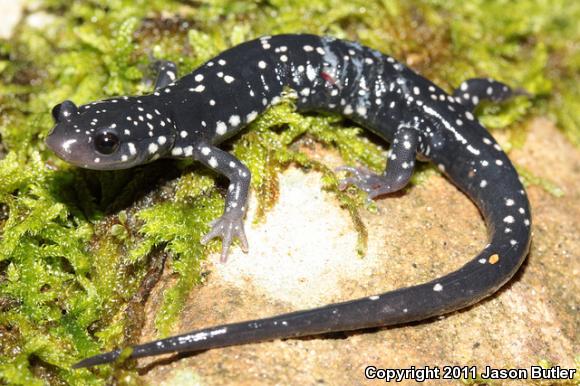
column 373, row 184
column 228, row 226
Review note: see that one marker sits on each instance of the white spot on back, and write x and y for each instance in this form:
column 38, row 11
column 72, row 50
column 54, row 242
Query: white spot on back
column 213, row 162
column 472, row 150
column 234, row 120
column 509, row 219
column 198, row 88
column 152, row 148
column 310, row 73
column 221, row 128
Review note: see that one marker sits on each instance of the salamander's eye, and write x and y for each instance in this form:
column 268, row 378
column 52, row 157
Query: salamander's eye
column 106, row 142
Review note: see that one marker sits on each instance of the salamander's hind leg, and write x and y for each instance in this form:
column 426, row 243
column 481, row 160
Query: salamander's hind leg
column 472, row 91
column 230, row 224
column 167, row 73
column 401, row 162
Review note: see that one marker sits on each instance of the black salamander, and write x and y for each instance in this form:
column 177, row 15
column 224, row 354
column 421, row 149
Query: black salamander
column 191, row 116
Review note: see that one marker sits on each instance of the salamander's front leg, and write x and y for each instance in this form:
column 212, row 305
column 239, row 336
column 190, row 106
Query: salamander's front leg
column 167, row 73
column 230, row 224
column 398, row 172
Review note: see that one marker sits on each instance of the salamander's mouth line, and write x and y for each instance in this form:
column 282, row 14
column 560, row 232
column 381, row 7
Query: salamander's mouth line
column 189, row 117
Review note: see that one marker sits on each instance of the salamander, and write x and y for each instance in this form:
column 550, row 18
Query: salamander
column 189, row 117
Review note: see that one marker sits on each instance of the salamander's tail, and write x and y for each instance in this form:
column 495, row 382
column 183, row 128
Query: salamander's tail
column 98, row 359
column 477, row 279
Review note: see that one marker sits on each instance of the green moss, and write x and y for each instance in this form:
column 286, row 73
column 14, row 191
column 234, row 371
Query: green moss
column 81, row 250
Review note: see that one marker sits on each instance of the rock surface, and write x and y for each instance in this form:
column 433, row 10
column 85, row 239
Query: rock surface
column 304, row 255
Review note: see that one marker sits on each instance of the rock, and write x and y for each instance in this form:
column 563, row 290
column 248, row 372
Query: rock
column 304, row 255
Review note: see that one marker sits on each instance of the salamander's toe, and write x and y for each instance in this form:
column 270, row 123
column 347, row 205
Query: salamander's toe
column 228, row 226
column 364, row 179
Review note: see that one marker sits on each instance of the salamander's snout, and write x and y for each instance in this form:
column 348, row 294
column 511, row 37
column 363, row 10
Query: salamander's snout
column 51, row 140
column 63, row 147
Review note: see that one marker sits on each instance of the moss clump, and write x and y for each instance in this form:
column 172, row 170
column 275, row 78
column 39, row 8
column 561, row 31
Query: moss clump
column 80, row 250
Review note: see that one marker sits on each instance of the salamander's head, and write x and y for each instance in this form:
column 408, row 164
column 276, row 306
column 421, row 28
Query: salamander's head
column 111, row 134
